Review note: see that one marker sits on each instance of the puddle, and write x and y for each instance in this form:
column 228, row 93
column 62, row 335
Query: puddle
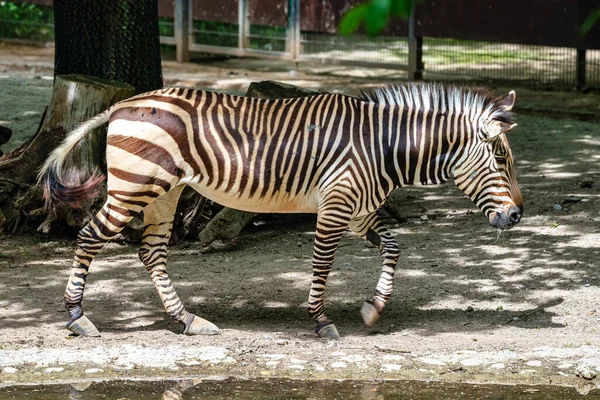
column 287, row 389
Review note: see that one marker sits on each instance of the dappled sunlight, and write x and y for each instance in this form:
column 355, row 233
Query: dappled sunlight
column 276, row 304
column 454, row 273
column 414, row 273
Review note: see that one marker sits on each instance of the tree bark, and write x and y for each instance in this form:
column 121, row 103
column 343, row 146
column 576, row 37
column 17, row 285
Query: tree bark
column 111, row 39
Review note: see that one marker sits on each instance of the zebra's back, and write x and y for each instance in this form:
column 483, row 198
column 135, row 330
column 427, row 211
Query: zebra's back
column 244, row 153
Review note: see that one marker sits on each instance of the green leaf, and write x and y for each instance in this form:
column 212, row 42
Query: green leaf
column 400, row 8
column 377, row 16
column 589, row 22
column 352, row 20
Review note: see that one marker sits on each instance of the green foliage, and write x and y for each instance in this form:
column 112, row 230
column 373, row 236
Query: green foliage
column 589, row 22
column 26, row 21
column 374, row 15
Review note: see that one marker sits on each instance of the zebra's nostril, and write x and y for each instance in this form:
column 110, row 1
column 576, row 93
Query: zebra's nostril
column 515, row 213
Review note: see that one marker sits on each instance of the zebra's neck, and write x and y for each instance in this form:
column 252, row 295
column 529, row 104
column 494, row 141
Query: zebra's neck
column 421, row 146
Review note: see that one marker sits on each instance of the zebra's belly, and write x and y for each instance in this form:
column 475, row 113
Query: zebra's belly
column 278, row 203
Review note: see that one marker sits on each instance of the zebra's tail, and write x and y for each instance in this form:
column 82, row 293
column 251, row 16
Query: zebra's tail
column 54, row 173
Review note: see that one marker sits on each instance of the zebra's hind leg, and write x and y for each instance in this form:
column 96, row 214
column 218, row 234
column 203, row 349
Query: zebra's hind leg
column 158, row 222
column 371, row 229
column 331, row 224
column 109, row 221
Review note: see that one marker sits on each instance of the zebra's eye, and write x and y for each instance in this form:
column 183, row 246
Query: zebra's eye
column 500, row 159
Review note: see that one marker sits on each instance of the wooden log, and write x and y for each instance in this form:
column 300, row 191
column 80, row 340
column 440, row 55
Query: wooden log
column 75, row 99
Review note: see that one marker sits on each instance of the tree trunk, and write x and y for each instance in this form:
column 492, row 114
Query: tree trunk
column 110, row 39
column 75, row 99
column 228, row 223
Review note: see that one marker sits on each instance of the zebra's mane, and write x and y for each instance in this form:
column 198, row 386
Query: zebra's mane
column 445, row 98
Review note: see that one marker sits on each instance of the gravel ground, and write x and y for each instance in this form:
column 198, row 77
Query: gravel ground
column 468, row 306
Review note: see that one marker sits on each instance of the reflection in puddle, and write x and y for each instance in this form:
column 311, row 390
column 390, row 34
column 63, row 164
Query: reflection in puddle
column 287, row 389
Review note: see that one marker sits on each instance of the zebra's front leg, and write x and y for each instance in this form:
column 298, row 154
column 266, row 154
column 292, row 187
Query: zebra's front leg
column 371, row 229
column 330, row 227
column 158, row 223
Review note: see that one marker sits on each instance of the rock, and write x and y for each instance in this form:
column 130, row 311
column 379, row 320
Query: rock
column 471, row 362
column 432, row 361
column 571, row 200
column 391, row 367
column 274, row 356
column 557, row 207
column 9, row 370
column 51, row 370
column 497, row 366
column 93, row 370
column 585, row 372
column 278, row 90
column 339, row 364
column 124, row 367
column 190, row 363
column 81, row 386
column 296, row 367
column 586, row 184
column 424, row 217
column 393, row 357
column 470, row 309
column 534, row 363
column 272, row 363
column 564, row 366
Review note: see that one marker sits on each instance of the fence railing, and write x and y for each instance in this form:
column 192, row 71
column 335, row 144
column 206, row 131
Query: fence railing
column 443, row 40
column 413, row 51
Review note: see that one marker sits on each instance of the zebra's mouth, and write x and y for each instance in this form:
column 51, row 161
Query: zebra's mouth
column 505, row 220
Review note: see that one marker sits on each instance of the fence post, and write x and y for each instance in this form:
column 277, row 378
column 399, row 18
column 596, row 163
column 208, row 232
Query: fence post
column 415, row 49
column 580, row 68
column 182, row 30
column 292, row 40
column 243, row 24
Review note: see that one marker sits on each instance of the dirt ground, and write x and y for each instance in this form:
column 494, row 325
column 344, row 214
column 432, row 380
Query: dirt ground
column 468, row 306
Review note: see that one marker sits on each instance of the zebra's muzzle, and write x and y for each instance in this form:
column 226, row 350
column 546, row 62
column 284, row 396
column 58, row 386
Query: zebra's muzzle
column 505, row 220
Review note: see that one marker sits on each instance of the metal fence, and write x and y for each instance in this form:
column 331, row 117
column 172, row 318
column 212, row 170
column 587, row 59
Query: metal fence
column 304, row 31
column 433, row 57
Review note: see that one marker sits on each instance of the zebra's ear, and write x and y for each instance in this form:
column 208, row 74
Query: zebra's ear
column 508, row 102
column 494, row 128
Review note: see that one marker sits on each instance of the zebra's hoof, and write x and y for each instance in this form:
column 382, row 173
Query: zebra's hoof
column 82, row 326
column 328, row 331
column 369, row 314
column 200, row 326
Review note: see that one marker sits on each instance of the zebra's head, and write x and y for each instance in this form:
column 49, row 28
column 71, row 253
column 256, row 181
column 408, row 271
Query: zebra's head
column 486, row 174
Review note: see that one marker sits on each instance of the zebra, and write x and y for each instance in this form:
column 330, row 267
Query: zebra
column 334, row 155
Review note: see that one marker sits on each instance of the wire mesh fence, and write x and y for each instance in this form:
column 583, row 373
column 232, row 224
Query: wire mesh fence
column 392, row 51
column 508, row 62
column 442, row 58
